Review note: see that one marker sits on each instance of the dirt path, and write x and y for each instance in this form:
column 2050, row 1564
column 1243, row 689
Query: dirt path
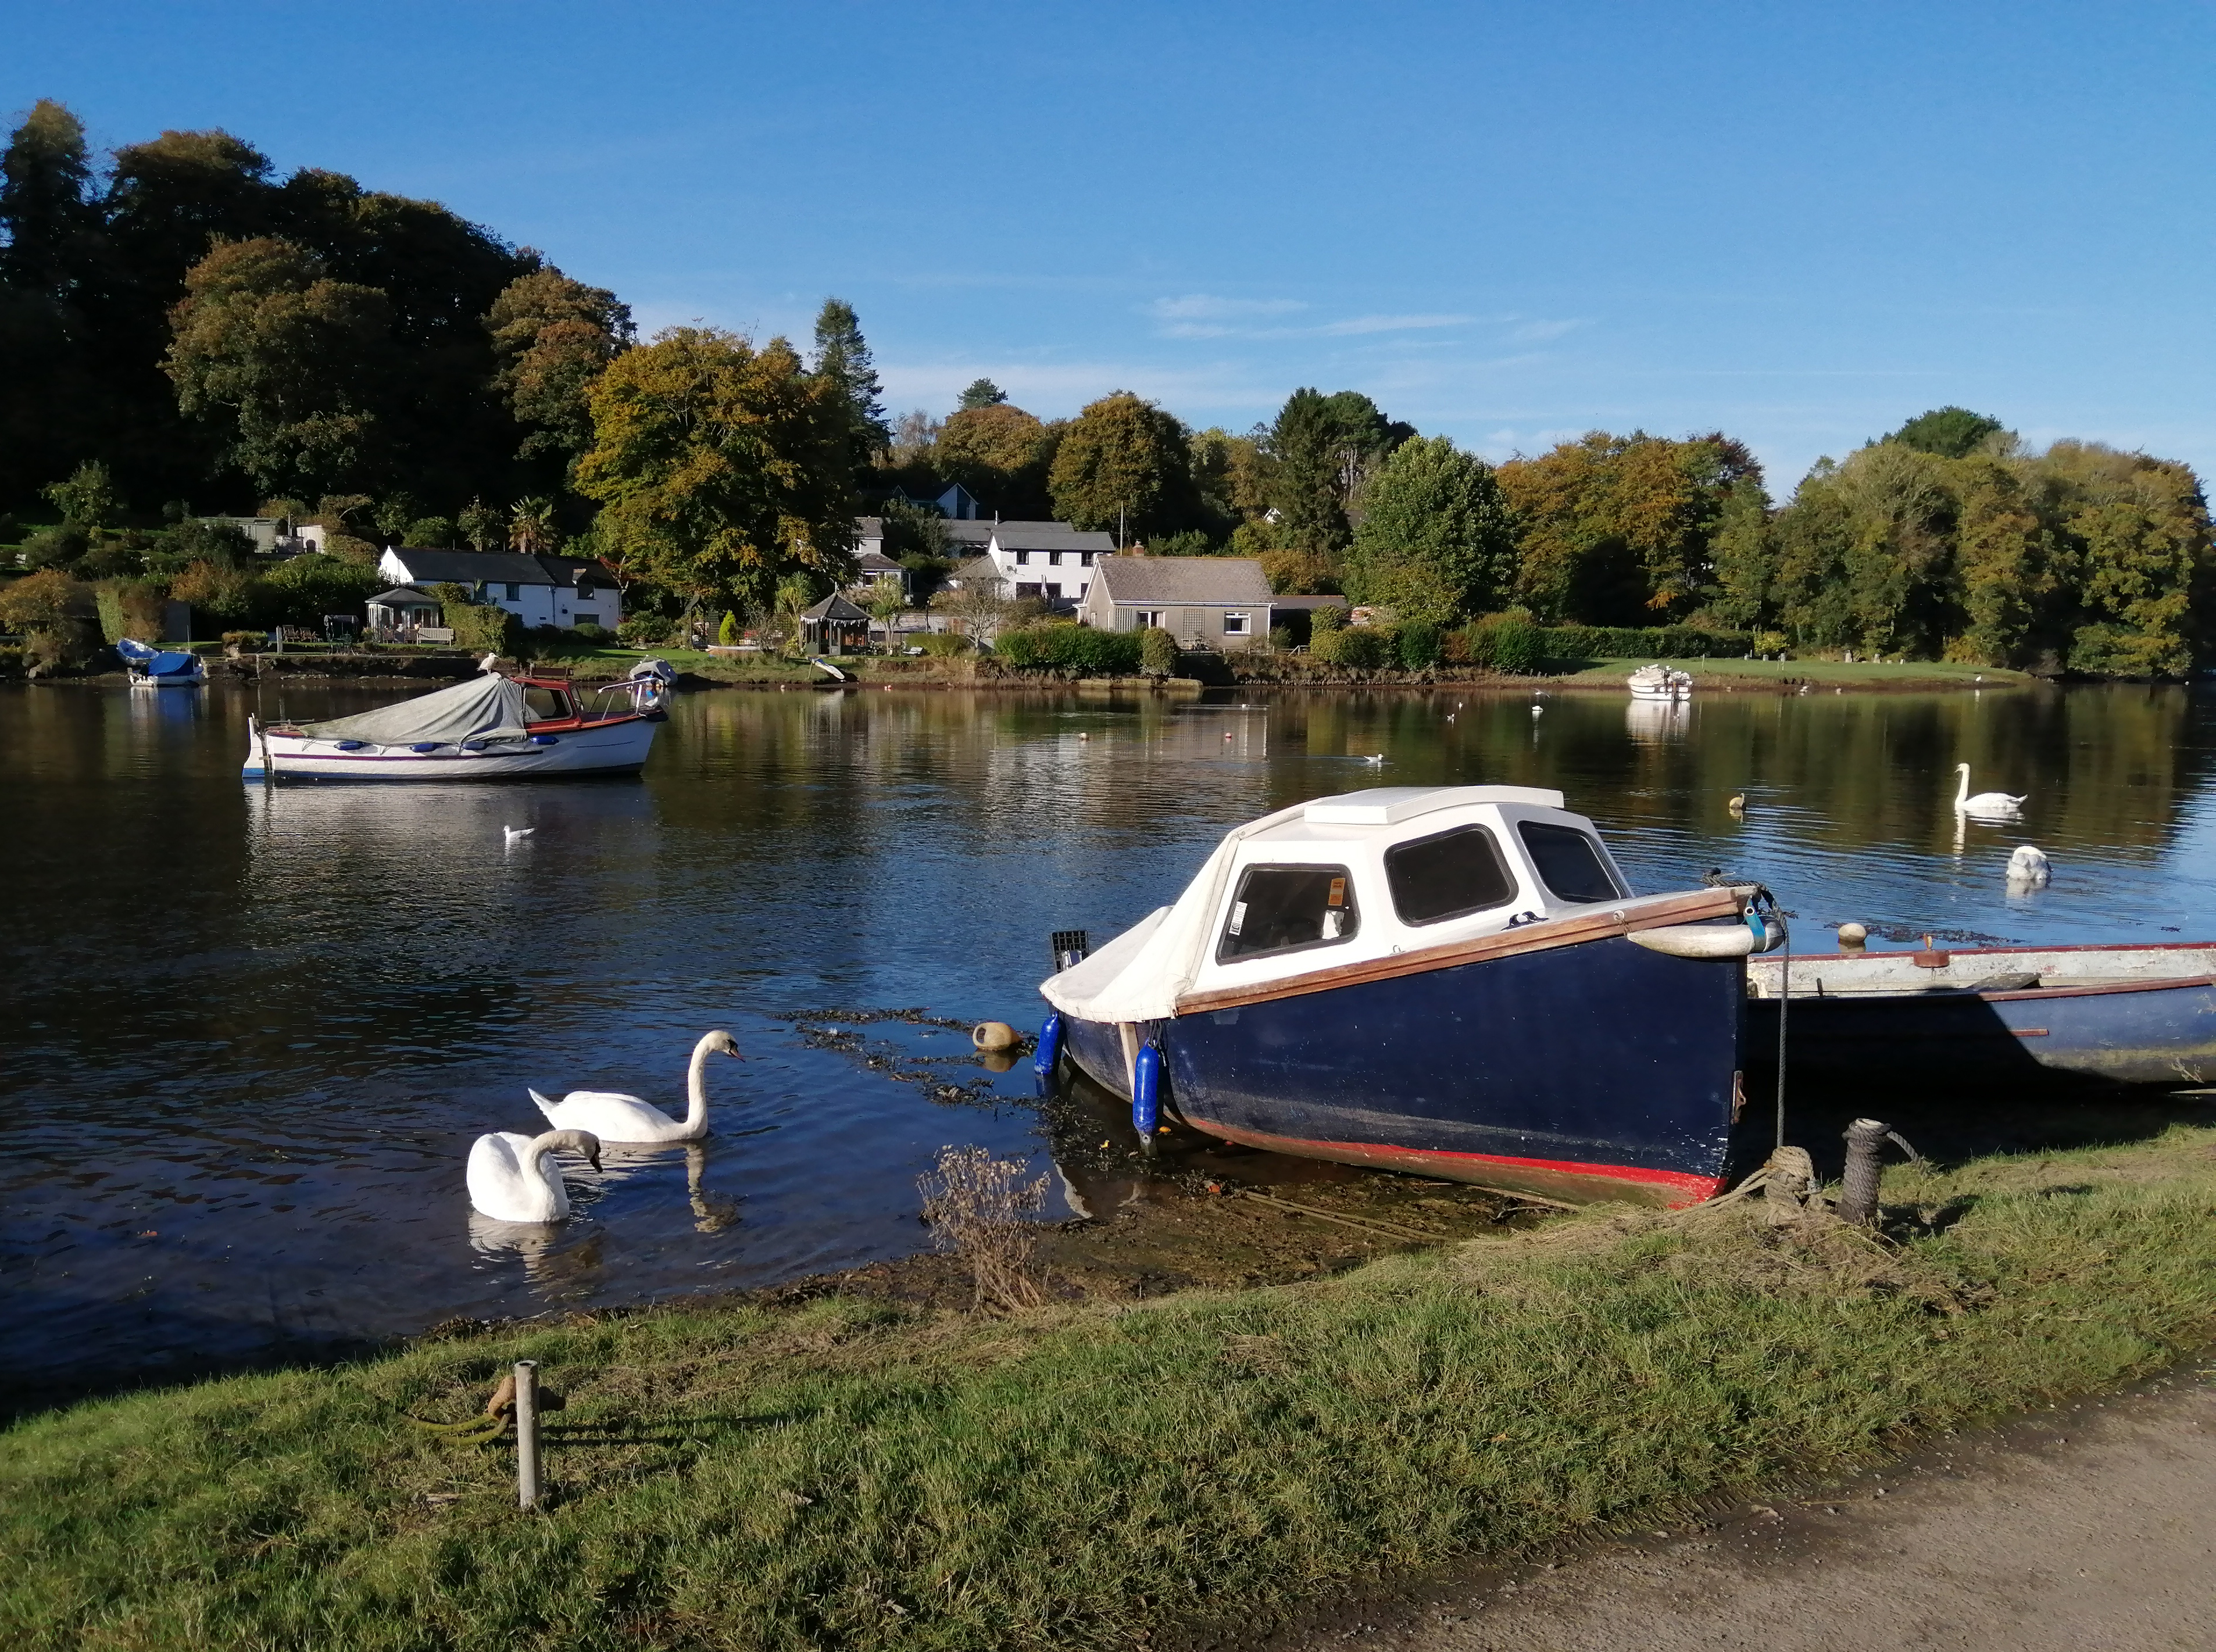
column 2090, row 1528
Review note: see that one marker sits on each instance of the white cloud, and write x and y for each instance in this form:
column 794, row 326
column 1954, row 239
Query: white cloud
column 1355, row 325
column 1541, row 332
column 1207, row 307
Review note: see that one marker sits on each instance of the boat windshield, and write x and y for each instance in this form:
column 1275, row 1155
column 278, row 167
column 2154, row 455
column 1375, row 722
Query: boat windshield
column 1287, row 908
column 1450, row 874
column 546, row 704
column 1569, row 864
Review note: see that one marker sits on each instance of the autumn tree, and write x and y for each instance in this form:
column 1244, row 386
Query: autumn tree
column 1122, row 465
column 281, row 359
column 88, row 499
column 723, row 469
column 552, row 337
column 1617, row 529
column 1436, row 543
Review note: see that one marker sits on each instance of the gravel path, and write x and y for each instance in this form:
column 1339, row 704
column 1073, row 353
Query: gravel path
column 2088, row 1528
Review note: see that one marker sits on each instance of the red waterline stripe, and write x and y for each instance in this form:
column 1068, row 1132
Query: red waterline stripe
column 1699, row 1187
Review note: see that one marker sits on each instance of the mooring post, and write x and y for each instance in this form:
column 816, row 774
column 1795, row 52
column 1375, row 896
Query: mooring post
column 526, row 1434
column 1858, row 1187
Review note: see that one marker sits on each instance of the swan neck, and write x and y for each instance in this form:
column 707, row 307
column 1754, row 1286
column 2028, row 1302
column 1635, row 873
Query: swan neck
column 1962, row 790
column 696, row 1088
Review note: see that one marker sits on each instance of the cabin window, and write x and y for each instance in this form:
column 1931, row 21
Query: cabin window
column 1450, row 874
column 1234, row 625
column 1288, row 909
column 1569, row 862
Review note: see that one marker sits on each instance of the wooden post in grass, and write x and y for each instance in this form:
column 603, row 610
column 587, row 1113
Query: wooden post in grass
column 526, row 1434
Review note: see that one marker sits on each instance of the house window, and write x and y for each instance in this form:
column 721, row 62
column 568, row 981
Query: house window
column 514, row 592
column 1234, row 625
column 1085, row 559
column 1151, row 617
column 1288, row 909
column 1054, row 559
column 588, row 617
column 1053, row 588
column 1023, row 558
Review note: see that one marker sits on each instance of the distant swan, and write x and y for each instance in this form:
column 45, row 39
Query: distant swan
column 514, row 832
column 1986, row 803
column 2028, row 866
column 613, row 1116
column 512, row 1179
column 1376, row 762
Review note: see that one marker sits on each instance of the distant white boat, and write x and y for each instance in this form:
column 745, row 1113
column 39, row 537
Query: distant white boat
column 1658, row 682
column 490, row 728
column 150, row 667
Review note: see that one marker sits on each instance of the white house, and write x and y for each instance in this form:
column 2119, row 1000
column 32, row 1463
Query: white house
column 1205, row 602
column 1050, row 560
column 558, row 590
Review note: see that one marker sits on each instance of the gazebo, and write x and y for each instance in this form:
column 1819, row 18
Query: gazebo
column 832, row 625
column 404, row 608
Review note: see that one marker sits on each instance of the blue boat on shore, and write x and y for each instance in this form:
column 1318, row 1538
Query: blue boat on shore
column 1990, row 1017
column 1455, row 981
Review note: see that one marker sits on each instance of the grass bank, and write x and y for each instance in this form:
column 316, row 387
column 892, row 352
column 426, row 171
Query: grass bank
column 848, row 1473
column 1829, row 673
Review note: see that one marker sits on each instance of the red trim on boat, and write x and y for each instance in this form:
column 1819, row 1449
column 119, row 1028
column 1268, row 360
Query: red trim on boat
column 1694, row 1189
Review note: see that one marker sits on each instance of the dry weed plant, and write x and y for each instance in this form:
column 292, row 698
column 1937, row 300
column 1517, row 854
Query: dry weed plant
column 976, row 1205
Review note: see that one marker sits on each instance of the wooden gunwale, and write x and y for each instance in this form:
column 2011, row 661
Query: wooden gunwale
column 1599, row 925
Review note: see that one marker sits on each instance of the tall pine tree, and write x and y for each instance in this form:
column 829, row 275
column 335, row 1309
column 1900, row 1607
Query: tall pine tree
column 842, row 357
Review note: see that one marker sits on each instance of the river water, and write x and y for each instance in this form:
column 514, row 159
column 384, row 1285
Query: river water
column 247, row 1036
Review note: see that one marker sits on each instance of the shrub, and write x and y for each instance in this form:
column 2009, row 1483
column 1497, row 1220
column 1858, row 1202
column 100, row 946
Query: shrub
column 1420, row 645
column 590, row 631
column 131, row 608
column 1766, row 643
column 1077, row 650
column 940, row 644
column 1158, row 651
column 246, row 639
column 727, row 633
column 302, row 590
column 478, row 625
column 56, row 547
column 1281, row 638
column 1507, row 643
column 1359, row 647
column 1329, row 617
column 649, row 631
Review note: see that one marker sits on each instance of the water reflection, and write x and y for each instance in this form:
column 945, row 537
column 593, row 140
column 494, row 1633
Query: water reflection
column 250, row 1034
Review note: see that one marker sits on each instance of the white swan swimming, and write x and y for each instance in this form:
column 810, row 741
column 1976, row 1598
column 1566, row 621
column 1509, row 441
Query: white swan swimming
column 512, row 1179
column 1986, row 803
column 514, row 832
column 613, row 1116
column 2029, row 867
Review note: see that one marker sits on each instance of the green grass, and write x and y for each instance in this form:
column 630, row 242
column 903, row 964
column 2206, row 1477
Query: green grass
column 1870, row 673
column 853, row 1475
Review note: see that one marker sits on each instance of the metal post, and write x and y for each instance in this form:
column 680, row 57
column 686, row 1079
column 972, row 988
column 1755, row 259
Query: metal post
column 526, row 1434
column 1858, row 1188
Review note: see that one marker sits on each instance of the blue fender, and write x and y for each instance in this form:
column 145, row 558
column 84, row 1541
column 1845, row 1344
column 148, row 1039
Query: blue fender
column 1147, row 1095
column 1049, row 1051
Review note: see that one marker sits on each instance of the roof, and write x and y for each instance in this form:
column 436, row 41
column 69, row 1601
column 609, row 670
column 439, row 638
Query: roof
column 406, row 596
column 876, row 561
column 471, row 567
column 1203, row 581
column 1310, row 604
column 834, row 606
column 1050, row 535
column 979, row 568
column 968, row 530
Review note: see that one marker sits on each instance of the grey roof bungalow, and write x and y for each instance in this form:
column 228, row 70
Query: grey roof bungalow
column 1205, row 602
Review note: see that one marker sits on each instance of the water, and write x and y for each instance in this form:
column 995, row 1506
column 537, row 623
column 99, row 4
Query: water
column 248, row 1036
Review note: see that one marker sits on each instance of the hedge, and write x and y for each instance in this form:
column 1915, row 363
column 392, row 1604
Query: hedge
column 1076, row 649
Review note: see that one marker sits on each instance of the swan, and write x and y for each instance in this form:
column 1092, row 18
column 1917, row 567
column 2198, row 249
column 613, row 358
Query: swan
column 1737, row 803
column 514, row 832
column 1538, row 711
column 615, row 1117
column 1376, row 762
column 2028, row 866
column 512, row 1179
column 1986, row 803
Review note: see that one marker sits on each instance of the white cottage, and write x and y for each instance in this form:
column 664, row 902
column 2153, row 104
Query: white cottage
column 559, row 590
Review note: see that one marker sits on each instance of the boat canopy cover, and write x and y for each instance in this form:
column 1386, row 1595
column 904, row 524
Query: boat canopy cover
column 155, row 662
column 487, row 706
column 1140, row 975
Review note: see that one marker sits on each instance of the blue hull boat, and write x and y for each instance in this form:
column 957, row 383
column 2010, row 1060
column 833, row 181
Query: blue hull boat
column 2092, row 1015
column 1453, row 981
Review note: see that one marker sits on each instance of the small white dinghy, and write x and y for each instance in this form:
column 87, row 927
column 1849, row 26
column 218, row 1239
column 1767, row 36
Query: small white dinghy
column 151, row 667
column 1658, row 682
column 490, row 728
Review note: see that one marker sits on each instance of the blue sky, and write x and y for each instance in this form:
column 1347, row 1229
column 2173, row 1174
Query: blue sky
column 1508, row 224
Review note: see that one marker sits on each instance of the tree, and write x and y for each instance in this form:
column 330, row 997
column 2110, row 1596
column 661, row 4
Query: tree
column 282, row 359
column 983, row 393
column 1617, row 529
column 552, row 338
column 54, row 233
column 392, row 516
column 842, row 360
column 88, row 498
column 1436, row 543
column 722, row 467
column 481, row 524
column 1122, row 465
column 1952, row 433
column 530, row 528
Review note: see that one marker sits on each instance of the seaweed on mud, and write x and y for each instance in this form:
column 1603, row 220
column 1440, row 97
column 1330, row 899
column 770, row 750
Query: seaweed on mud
column 836, row 1029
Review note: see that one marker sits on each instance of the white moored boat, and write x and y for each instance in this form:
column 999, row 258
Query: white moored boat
column 1658, row 682
column 490, row 728
column 151, row 667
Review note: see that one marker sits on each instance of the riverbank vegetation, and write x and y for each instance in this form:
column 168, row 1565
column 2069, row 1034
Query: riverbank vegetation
column 858, row 1473
column 188, row 332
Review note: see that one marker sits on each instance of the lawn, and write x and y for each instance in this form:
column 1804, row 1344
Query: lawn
column 858, row 1474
